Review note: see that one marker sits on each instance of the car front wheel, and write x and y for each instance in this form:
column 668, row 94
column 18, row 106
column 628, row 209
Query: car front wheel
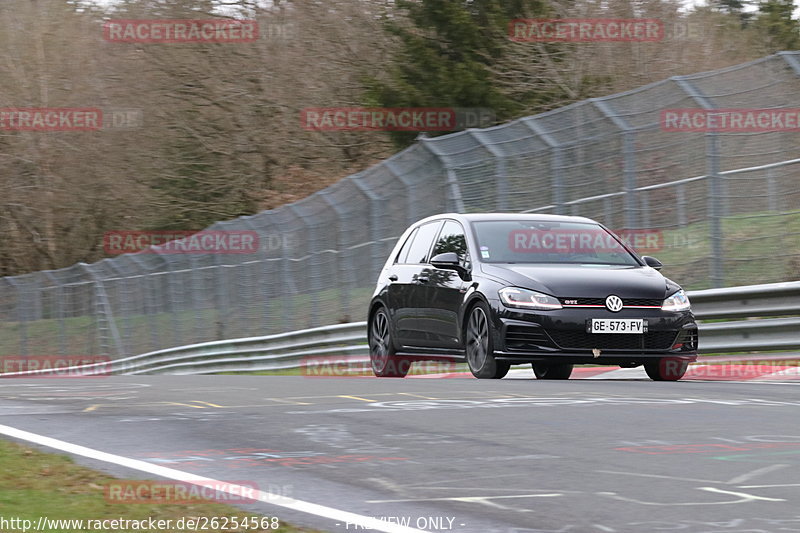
column 479, row 348
column 385, row 364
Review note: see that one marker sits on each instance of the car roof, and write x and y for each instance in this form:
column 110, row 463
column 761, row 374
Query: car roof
column 477, row 217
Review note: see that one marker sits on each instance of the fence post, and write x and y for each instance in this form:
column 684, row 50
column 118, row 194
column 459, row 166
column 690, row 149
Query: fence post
column 345, row 274
column 375, row 227
column 772, row 191
column 104, row 315
column 145, row 277
column 21, row 319
column 500, row 176
column 411, row 200
column 629, row 173
column 59, row 305
column 715, row 211
column 716, row 208
column 312, row 259
column 556, row 164
column 681, row 201
column 454, row 200
column 628, row 162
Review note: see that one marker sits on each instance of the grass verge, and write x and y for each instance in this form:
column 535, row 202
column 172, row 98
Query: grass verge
column 35, row 484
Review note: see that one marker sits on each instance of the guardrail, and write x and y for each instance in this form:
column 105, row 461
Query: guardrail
column 293, row 349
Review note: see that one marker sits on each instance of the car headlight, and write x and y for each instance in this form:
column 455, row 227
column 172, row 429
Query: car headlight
column 523, row 298
column 677, row 302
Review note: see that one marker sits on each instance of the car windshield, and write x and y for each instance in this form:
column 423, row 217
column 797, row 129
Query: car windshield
column 537, row 241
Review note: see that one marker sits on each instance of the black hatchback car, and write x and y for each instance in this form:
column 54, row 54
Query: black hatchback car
column 505, row 289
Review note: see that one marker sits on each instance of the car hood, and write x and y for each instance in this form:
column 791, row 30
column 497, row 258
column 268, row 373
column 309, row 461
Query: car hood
column 585, row 281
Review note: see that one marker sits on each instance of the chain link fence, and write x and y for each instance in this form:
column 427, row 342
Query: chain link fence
column 727, row 206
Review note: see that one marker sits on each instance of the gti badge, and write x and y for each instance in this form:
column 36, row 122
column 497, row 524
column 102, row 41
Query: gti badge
column 614, row 303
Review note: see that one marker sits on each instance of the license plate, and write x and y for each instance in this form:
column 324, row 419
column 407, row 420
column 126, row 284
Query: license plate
column 617, row 325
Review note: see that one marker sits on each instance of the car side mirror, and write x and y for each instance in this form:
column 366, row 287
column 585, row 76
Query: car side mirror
column 446, row 260
column 450, row 261
column 652, row 262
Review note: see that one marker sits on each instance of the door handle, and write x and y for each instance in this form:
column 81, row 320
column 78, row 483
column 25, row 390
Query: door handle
column 423, row 279
column 393, row 277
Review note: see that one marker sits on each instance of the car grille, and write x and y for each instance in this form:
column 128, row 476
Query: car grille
column 526, row 338
column 653, row 302
column 653, row 340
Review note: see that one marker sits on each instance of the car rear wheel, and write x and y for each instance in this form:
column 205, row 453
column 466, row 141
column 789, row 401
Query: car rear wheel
column 552, row 371
column 385, row 364
column 479, row 347
column 666, row 369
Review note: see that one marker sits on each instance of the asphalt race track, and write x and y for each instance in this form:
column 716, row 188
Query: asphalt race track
column 515, row 455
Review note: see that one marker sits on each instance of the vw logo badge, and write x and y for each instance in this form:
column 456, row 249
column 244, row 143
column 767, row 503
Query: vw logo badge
column 614, row 303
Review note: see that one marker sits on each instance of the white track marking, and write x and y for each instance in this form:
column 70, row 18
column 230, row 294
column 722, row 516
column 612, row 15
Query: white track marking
column 755, row 473
column 745, row 497
column 484, row 500
column 364, row 522
column 735, row 481
column 769, row 486
column 622, row 373
column 660, row 476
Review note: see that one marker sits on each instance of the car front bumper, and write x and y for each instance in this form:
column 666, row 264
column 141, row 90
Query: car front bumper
column 522, row 335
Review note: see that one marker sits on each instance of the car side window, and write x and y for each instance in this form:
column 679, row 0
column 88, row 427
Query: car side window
column 418, row 252
column 403, row 254
column 452, row 239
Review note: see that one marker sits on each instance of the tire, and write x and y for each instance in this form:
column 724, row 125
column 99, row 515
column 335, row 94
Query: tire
column 385, row 364
column 666, row 369
column 552, row 371
column 478, row 345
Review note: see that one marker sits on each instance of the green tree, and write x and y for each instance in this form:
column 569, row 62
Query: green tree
column 776, row 24
column 447, row 51
column 737, row 8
